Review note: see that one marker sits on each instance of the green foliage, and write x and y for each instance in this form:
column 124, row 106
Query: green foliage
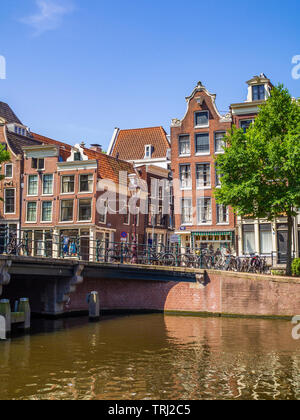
column 261, row 168
column 4, row 157
column 296, row 267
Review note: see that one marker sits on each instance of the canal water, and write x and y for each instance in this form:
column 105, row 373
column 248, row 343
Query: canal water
column 152, row 357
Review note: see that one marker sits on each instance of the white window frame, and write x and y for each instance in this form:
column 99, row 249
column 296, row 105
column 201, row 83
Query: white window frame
column 227, row 215
column 79, row 189
column 208, row 187
column 215, row 142
column 148, row 151
column 47, row 195
column 203, row 125
column 78, row 209
column 184, row 154
column 183, row 223
column 12, row 171
column 206, row 153
column 15, row 192
column 199, row 222
column 60, row 211
column 191, row 178
column 36, row 212
column 46, row 221
column 61, row 184
column 32, row 195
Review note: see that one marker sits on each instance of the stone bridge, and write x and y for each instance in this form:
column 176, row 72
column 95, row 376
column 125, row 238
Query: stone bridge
column 58, row 287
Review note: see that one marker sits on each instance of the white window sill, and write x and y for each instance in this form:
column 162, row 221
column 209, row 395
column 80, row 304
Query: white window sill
column 186, row 224
column 204, row 224
column 220, row 153
column 186, row 188
column 202, row 154
column 84, row 221
column 223, row 224
column 184, row 156
column 201, row 126
column 204, row 188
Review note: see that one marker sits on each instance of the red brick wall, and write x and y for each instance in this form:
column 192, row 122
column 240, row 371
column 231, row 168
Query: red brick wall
column 227, row 293
column 188, row 127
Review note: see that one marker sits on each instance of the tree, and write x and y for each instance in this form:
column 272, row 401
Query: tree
column 260, row 169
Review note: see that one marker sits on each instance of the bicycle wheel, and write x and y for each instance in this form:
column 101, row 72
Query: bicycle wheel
column 168, row 260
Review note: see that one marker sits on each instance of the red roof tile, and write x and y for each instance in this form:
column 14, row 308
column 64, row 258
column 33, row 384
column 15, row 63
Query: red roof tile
column 130, row 144
column 108, row 166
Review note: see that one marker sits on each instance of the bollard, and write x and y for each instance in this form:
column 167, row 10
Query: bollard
column 5, row 312
column 24, row 306
column 94, row 306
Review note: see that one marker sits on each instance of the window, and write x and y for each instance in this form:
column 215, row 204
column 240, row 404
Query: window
column 204, row 210
column 48, row 184
column 85, row 210
column 185, row 176
column 148, row 151
column 67, row 184
column 222, row 214
column 184, row 145
column 201, row 119
column 245, row 124
column 46, row 211
column 8, row 170
column 86, row 183
column 67, row 210
column 31, row 211
column 38, row 164
column 248, row 239
column 203, row 175
column 202, row 143
column 218, row 177
column 220, row 143
column 265, row 233
column 186, row 211
column 258, row 93
column 77, row 156
column 32, row 185
column 9, row 199
column 103, row 211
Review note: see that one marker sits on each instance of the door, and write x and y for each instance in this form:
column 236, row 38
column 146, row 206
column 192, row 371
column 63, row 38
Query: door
column 282, row 239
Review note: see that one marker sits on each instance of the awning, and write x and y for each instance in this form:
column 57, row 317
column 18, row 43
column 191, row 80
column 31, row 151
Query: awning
column 214, row 233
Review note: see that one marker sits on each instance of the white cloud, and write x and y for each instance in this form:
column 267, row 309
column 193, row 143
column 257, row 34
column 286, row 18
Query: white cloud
column 48, row 17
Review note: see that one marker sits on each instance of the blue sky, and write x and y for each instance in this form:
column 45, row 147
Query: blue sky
column 78, row 68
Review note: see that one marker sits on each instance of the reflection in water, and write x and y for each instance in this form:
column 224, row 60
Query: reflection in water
column 153, row 357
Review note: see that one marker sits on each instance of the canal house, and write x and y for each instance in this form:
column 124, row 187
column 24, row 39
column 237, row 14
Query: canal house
column 60, row 199
column 195, row 139
column 260, row 235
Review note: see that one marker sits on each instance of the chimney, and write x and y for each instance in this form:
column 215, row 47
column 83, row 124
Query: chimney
column 96, row 148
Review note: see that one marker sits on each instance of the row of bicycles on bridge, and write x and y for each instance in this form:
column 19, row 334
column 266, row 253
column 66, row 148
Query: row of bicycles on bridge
column 173, row 257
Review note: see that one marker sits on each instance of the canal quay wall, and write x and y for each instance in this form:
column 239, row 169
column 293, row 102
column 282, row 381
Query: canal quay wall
column 61, row 287
column 217, row 293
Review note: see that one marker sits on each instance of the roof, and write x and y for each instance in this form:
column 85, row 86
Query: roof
column 65, row 148
column 108, row 166
column 130, row 144
column 16, row 142
column 7, row 113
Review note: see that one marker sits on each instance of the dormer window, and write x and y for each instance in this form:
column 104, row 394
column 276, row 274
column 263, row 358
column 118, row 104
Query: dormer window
column 19, row 130
column 258, row 93
column 77, row 156
column 148, row 151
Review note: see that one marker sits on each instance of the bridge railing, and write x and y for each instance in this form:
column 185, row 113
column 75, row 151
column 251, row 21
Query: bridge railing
column 84, row 248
